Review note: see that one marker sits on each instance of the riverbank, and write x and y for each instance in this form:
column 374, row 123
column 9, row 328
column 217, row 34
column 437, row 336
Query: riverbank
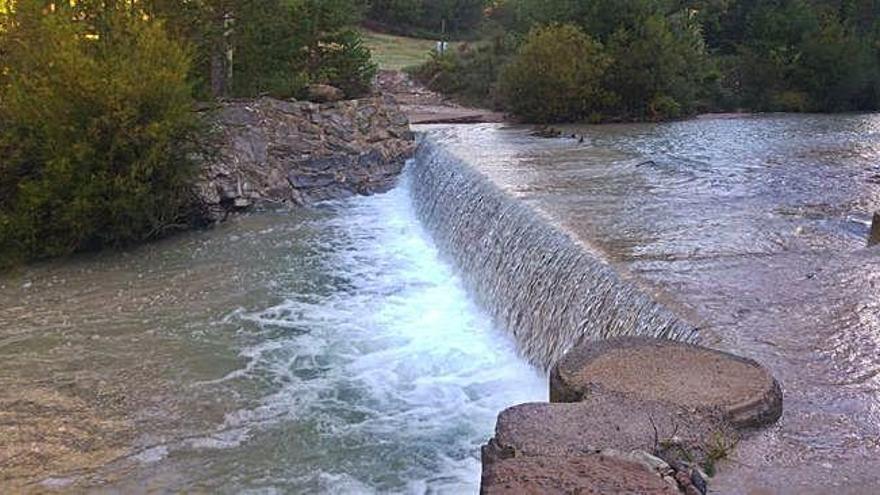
column 423, row 106
column 328, row 349
column 269, row 151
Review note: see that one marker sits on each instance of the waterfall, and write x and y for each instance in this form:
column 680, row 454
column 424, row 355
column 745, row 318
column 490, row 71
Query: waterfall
column 537, row 281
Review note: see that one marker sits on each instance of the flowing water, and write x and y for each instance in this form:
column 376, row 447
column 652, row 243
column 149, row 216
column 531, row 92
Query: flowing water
column 338, row 350
column 751, row 229
column 326, row 350
column 547, row 288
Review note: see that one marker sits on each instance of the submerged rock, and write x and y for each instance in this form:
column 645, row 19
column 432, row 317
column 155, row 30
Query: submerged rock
column 275, row 151
column 547, row 132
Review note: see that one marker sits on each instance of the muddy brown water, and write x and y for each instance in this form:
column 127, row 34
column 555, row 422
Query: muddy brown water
column 754, row 228
column 328, row 350
column 342, row 349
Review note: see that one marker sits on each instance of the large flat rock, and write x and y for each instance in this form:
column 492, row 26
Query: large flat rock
column 591, row 446
column 557, row 475
column 607, row 422
column 685, row 375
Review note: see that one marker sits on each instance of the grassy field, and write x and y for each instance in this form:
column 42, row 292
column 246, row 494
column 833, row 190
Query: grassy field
column 397, row 52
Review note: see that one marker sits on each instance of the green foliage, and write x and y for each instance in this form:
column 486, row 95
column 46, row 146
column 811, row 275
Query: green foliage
column 469, row 73
column 346, row 63
column 268, row 54
column 96, row 130
column 278, row 47
column 641, row 59
column 660, row 68
column 556, row 76
column 671, row 58
column 798, row 56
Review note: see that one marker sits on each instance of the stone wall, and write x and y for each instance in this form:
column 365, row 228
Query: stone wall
column 291, row 152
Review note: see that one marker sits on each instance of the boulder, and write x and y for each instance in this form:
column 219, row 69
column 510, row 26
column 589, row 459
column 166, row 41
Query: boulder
column 685, row 375
column 324, row 93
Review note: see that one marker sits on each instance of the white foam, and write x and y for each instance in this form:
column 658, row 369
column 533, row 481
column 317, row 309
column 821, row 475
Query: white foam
column 399, row 357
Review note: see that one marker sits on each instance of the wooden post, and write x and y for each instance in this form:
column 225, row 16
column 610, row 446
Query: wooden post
column 875, row 231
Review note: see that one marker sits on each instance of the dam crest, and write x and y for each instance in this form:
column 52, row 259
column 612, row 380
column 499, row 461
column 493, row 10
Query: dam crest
column 533, row 278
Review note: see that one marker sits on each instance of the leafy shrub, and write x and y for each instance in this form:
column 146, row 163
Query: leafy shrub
column 659, row 69
column 345, row 62
column 441, row 72
column 470, row 73
column 96, row 128
column 556, row 76
column 664, row 107
column 789, row 101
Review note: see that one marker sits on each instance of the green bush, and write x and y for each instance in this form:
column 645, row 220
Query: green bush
column 346, row 63
column 469, row 74
column 556, row 76
column 660, row 68
column 96, row 132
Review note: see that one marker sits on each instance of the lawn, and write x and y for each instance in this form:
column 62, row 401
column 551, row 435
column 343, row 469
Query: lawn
column 397, row 52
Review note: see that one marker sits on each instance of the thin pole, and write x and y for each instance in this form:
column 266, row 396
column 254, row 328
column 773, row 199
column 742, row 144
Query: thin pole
column 874, row 239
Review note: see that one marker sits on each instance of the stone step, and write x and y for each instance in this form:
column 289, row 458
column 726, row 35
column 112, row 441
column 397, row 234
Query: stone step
column 601, row 423
column 596, row 474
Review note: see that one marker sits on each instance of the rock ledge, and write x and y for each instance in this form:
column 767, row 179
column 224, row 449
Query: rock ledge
column 295, row 152
column 630, row 415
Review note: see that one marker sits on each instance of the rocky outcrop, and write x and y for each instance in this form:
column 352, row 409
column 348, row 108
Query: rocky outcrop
column 293, row 152
column 630, row 415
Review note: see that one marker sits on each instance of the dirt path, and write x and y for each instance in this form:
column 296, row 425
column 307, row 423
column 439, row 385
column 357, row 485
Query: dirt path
column 424, row 106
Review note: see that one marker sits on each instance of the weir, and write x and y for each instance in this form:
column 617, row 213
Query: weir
column 537, row 281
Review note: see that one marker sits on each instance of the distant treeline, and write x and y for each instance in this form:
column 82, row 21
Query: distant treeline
column 98, row 134
column 562, row 60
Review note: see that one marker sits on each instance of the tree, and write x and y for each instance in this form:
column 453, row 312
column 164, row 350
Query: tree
column 556, row 75
column 96, row 130
column 276, row 47
column 659, row 67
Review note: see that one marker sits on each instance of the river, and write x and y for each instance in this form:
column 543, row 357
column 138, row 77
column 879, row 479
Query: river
column 324, row 350
column 753, row 229
column 367, row 345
